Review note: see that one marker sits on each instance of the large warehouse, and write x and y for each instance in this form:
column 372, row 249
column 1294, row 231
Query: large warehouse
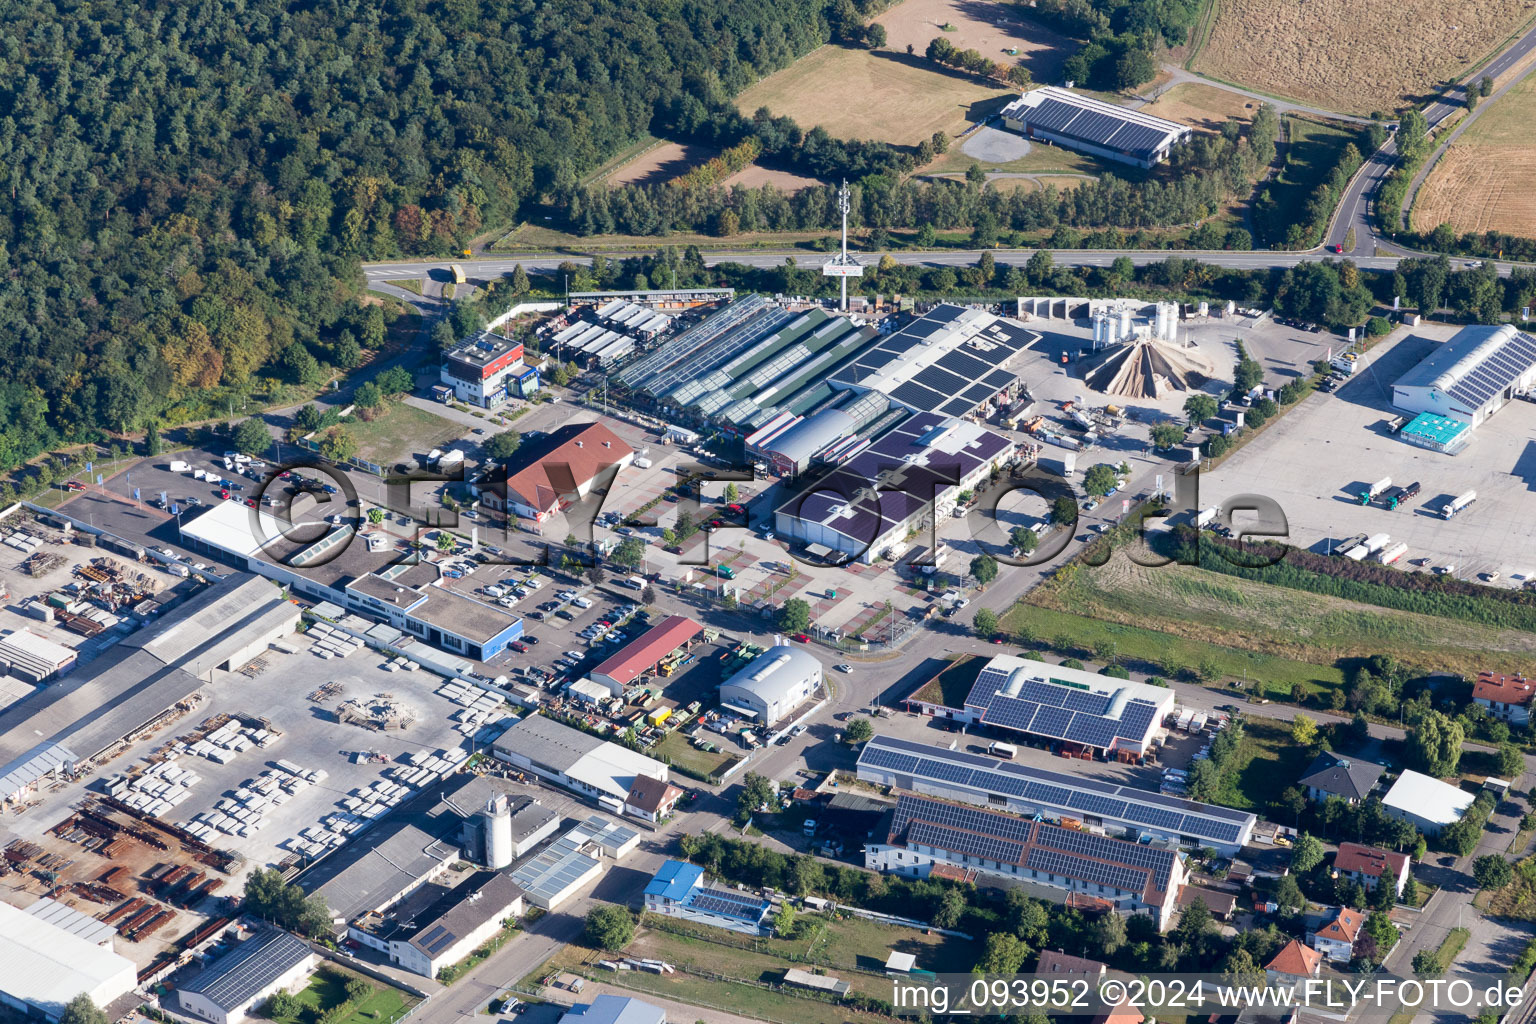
column 773, row 684
column 229, row 990
column 870, row 506
column 572, row 758
column 1114, row 717
column 1087, row 125
column 1471, row 376
column 1023, row 789
column 926, row 833
column 43, row 967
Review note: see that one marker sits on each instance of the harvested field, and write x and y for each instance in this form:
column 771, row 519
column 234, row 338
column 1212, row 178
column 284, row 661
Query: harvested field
column 884, row 96
column 1480, row 188
column 1481, row 181
column 989, row 27
column 663, row 163
column 756, row 176
column 1202, row 106
column 1354, row 56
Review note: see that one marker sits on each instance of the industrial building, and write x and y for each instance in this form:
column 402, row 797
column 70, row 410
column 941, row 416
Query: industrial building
column 1065, row 118
column 642, row 654
column 354, row 577
column 44, row 966
column 558, row 470
column 1471, row 376
column 570, row 862
column 415, row 843
column 1426, row 803
column 215, row 628
column 869, row 507
column 454, row 923
column 678, row 889
column 569, row 757
column 1072, row 707
column 772, row 685
column 1020, row 788
column 506, row 828
column 231, row 988
column 607, row 1009
column 484, row 370
column 1134, row 877
column 602, row 336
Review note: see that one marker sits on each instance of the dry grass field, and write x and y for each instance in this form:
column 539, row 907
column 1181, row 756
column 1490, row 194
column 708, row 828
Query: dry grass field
column 1484, row 181
column 884, row 96
column 989, row 27
column 1202, row 106
column 1354, row 55
column 756, row 176
column 662, row 163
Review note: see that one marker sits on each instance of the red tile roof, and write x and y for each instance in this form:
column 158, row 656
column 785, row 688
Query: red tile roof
column 1296, row 959
column 953, row 872
column 1370, row 861
column 1345, row 927
column 581, row 451
column 651, row 795
column 642, row 654
column 1498, row 689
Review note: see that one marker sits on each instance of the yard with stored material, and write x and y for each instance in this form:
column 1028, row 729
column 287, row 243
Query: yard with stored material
column 1482, row 182
column 877, row 95
column 1353, row 56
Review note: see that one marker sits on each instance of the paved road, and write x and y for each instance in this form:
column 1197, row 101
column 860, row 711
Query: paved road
column 1355, row 206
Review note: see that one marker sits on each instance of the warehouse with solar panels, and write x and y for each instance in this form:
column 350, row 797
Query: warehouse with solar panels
column 1077, row 710
column 925, row 833
column 1097, row 804
column 1066, row 118
column 1471, row 376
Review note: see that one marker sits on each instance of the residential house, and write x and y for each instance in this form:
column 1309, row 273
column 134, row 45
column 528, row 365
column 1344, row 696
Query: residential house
column 1506, row 697
column 678, row 889
column 1348, row 778
column 1054, row 961
column 558, row 470
column 1295, row 960
column 651, row 799
column 1336, row 939
column 1368, row 865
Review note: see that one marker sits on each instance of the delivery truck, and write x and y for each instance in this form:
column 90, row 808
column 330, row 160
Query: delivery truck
column 1460, row 502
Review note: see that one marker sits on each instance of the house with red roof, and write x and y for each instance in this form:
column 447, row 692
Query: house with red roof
column 1506, row 697
column 556, row 471
column 1369, row 866
column 1294, row 960
column 1336, row 939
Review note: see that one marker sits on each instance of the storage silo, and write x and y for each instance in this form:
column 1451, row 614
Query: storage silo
column 496, row 828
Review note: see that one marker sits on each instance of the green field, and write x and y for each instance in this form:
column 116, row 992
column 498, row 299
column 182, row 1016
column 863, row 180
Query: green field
column 678, row 752
column 325, row 991
column 1268, row 761
column 1302, row 634
column 399, row 432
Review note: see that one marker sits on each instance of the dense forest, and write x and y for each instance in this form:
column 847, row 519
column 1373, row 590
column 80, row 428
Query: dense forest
column 188, row 186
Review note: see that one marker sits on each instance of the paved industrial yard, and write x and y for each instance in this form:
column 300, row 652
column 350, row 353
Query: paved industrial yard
column 1319, row 455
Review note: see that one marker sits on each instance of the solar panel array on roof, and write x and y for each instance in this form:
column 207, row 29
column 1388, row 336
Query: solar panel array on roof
column 1083, row 869
column 1098, row 127
column 1498, row 371
column 1045, row 709
column 1053, row 791
column 725, row 903
column 1157, row 862
column 256, row 963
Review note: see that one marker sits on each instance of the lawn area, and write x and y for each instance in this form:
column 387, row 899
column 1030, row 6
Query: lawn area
column 881, row 95
column 1149, row 650
column 678, row 752
column 401, row 431
column 1040, row 159
column 855, row 942
column 953, row 684
column 1306, row 634
column 327, row 990
column 1267, row 762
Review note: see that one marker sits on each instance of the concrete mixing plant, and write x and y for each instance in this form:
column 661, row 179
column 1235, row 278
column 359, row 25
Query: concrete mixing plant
column 496, row 827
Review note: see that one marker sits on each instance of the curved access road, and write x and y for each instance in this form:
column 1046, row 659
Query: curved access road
column 1354, row 210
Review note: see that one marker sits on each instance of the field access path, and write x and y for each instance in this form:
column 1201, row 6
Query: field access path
column 1284, row 106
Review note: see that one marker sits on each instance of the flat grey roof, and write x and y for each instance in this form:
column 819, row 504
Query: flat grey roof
column 547, row 742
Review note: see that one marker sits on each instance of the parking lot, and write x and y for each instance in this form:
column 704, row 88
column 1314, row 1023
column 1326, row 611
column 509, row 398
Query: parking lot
column 1347, row 433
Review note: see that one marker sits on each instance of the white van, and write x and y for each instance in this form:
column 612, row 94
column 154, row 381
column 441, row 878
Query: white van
column 583, row 603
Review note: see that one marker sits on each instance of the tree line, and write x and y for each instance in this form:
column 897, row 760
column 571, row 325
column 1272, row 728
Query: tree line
column 186, row 187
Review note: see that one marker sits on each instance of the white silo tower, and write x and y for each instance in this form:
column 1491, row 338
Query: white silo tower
column 1124, row 315
column 496, row 827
